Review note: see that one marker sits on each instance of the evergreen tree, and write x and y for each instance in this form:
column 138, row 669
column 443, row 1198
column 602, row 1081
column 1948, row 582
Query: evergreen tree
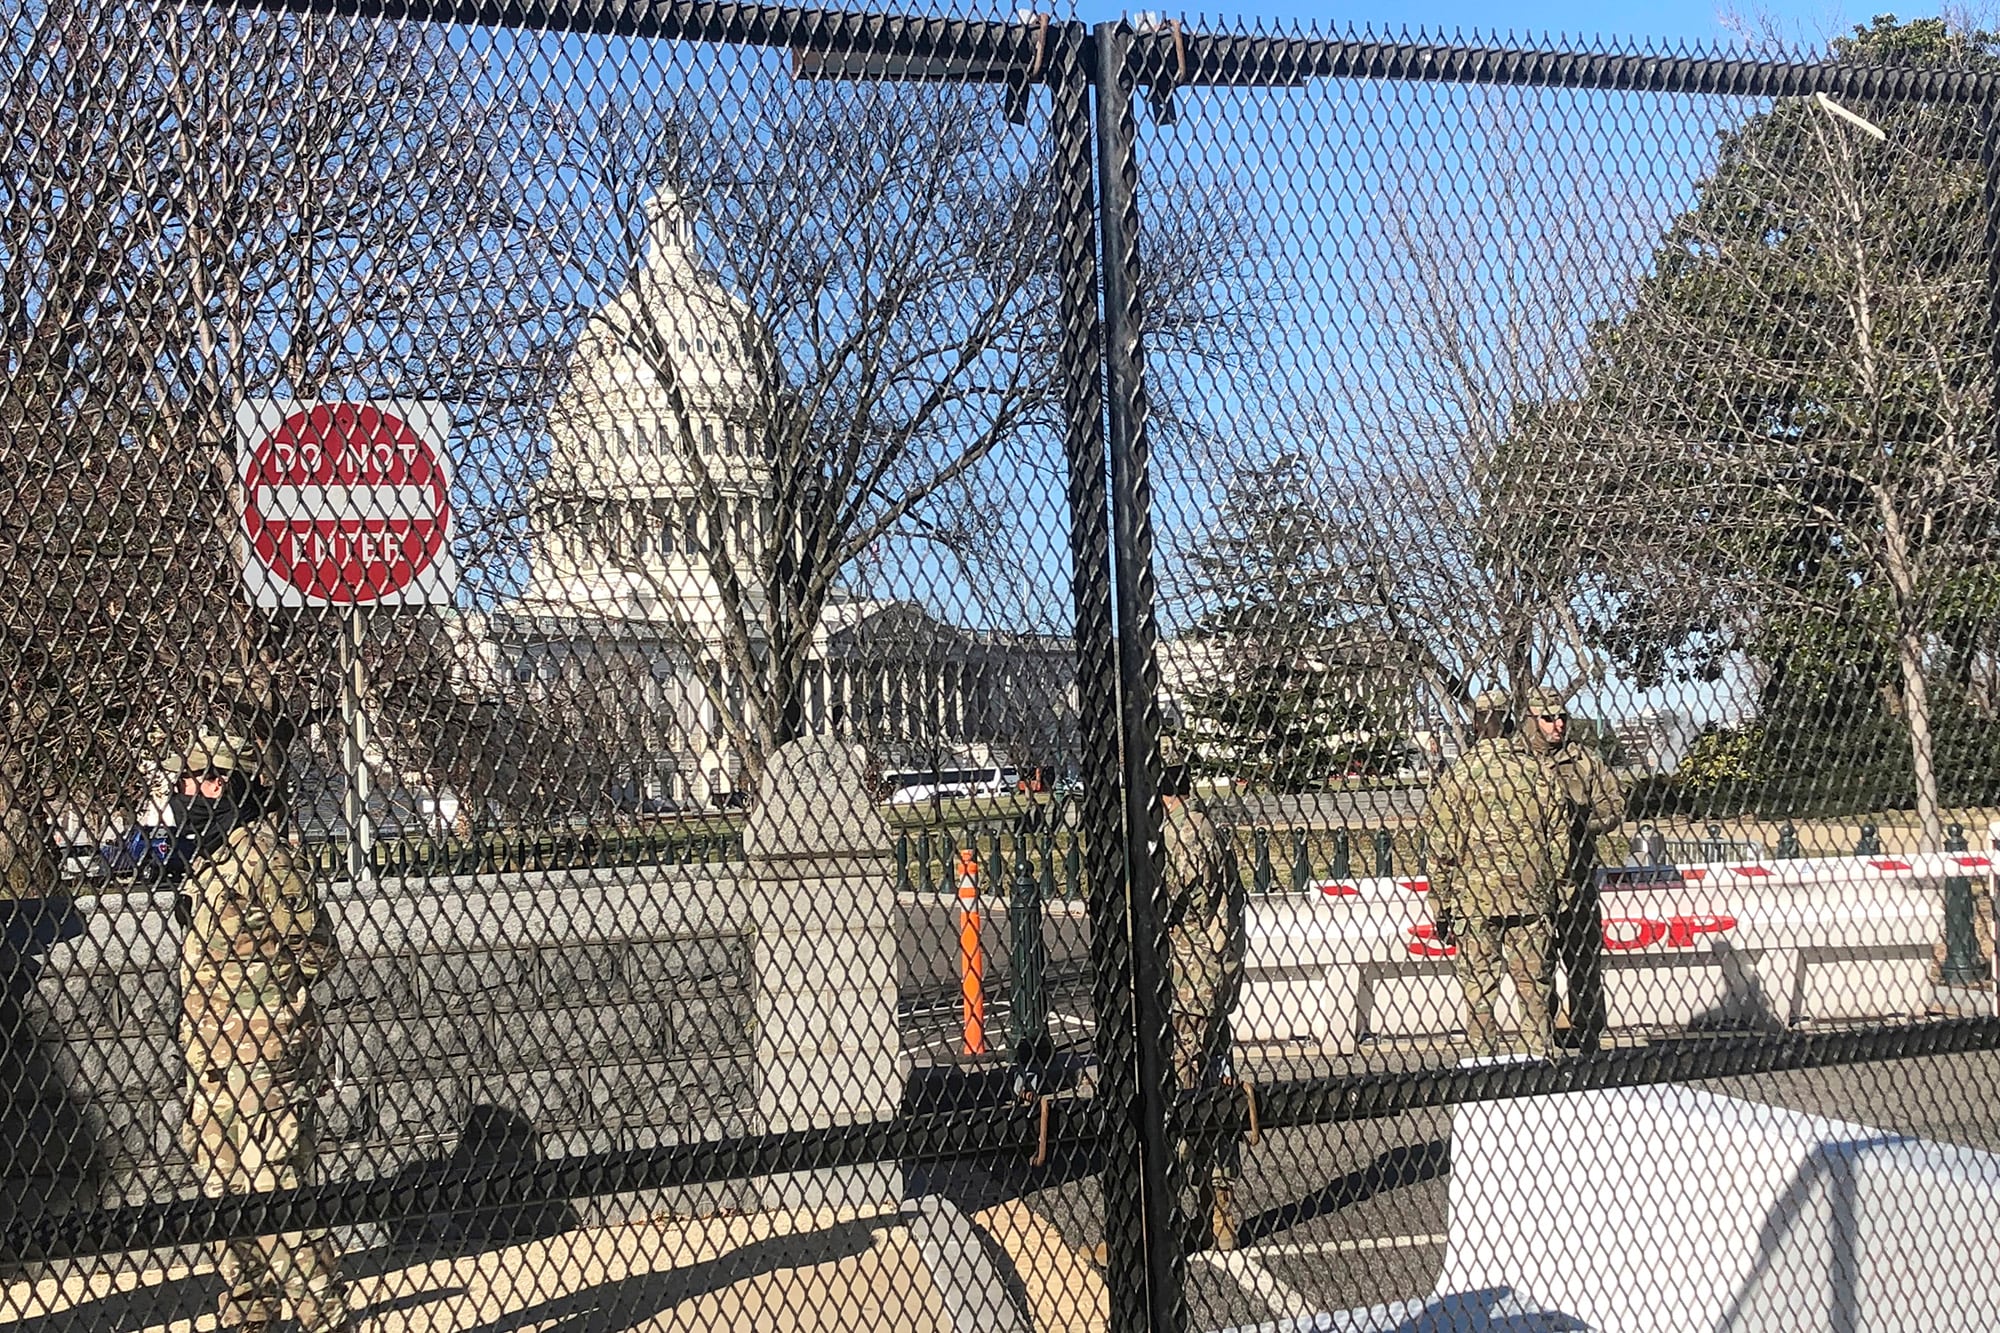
column 1281, row 693
column 1785, row 446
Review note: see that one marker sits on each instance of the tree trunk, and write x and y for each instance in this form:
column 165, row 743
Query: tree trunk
column 1917, row 721
column 1910, row 657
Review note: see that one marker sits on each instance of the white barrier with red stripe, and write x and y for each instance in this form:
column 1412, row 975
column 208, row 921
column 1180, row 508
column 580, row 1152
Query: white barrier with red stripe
column 1726, row 944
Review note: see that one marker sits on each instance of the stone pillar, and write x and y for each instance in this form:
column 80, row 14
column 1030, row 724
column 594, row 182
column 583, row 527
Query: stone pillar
column 828, row 1052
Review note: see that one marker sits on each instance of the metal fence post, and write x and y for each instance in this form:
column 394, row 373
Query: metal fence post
column 1869, row 843
column 1027, row 1013
column 1130, row 1152
column 1151, row 1110
column 1961, row 937
column 1343, row 862
column 1385, row 853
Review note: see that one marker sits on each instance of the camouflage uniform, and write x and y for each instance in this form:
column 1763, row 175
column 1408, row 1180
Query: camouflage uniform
column 254, row 944
column 1593, row 806
column 1205, row 931
column 1491, row 823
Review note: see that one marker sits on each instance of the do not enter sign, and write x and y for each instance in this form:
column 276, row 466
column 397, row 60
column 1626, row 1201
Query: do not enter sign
column 346, row 504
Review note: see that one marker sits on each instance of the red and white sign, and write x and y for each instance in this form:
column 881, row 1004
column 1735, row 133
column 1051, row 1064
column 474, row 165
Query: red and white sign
column 346, row 504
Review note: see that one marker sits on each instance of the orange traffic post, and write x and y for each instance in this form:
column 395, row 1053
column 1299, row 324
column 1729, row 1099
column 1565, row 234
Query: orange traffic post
column 971, row 957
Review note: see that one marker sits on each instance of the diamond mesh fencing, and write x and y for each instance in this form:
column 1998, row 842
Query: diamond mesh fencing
column 1576, row 565
column 683, row 666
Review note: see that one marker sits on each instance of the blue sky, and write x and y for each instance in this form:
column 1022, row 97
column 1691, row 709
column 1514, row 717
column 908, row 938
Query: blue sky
column 1672, row 22
column 1521, row 198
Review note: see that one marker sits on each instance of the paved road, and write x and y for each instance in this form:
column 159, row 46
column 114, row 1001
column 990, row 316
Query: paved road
column 1341, row 1216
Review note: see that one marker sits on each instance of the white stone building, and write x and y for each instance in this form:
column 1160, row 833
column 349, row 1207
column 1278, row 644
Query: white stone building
column 657, row 482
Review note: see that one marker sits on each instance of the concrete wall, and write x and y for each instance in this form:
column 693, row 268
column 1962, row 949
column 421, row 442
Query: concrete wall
column 595, row 1008
column 1759, row 946
column 536, row 1013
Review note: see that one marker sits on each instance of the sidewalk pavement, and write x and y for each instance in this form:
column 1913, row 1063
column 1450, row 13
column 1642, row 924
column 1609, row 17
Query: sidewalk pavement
column 925, row 1269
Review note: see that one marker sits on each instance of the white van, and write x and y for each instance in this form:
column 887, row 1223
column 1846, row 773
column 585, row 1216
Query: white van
column 951, row 784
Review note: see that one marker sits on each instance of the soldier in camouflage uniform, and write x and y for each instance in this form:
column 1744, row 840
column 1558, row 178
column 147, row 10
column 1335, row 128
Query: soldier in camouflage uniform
column 1593, row 806
column 1491, row 823
column 255, row 940
column 1205, row 929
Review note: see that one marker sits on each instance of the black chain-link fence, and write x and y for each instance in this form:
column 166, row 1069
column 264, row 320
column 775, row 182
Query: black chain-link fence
column 693, row 665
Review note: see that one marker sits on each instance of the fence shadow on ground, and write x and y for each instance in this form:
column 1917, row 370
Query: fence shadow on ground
column 1404, row 1165
column 498, row 1139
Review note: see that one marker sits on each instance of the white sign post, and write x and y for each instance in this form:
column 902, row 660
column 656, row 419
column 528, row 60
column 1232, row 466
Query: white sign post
column 347, row 505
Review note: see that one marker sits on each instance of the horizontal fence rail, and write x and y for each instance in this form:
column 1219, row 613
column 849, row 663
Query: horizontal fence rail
column 958, row 1135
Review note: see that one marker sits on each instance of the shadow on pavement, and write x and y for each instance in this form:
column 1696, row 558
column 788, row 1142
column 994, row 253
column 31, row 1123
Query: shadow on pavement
column 1401, row 1166
column 497, row 1138
column 627, row 1302
column 184, row 1302
column 974, row 1184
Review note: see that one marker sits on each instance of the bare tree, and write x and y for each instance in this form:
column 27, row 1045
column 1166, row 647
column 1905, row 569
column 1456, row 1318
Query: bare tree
column 869, row 293
column 1475, row 301
column 204, row 206
column 1792, row 426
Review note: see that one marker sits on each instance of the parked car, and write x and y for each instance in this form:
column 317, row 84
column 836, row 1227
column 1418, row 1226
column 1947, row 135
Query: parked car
column 145, row 854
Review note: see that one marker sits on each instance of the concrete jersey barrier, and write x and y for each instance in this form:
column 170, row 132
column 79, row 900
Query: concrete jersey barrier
column 1639, row 1209
column 1725, row 944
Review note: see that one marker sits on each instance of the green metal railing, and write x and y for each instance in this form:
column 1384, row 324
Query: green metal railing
column 499, row 852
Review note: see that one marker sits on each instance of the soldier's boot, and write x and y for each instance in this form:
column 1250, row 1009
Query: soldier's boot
column 314, row 1286
column 1223, row 1221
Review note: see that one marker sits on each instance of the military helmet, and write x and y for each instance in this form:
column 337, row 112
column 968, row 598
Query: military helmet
column 1545, row 703
column 1490, row 701
column 221, row 752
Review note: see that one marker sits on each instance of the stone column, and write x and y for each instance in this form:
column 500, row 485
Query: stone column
column 828, row 1052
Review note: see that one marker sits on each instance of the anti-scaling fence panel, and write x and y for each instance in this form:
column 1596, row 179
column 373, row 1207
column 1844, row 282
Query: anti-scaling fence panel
column 1574, row 541
column 514, row 532
column 683, row 666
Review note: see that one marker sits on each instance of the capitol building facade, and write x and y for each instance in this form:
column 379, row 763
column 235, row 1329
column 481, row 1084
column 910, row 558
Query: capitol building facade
column 650, row 538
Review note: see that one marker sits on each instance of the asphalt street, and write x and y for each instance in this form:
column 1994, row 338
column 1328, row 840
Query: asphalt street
column 1349, row 1215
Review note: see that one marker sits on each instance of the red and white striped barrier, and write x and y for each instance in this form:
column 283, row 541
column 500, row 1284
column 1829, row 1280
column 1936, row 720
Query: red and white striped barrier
column 1726, row 944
